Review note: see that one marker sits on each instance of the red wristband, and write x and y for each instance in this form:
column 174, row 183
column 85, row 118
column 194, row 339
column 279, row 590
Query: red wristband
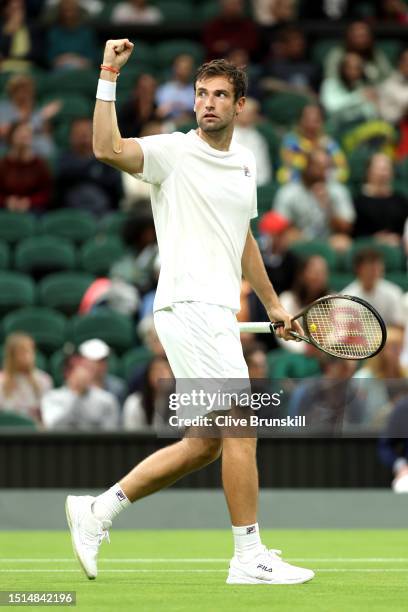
column 110, row 69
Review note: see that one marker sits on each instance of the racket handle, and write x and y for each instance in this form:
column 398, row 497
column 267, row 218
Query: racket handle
column 256, row 328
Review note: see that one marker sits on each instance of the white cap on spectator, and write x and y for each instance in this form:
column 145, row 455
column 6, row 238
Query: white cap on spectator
column 94, row 349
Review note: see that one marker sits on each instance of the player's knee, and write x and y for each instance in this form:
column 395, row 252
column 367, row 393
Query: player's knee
column 205, row 450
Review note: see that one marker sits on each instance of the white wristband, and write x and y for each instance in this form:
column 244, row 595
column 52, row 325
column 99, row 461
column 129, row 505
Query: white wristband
column 106, row 91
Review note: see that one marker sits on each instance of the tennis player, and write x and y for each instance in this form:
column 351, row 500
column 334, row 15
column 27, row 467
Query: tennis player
column 203, row 192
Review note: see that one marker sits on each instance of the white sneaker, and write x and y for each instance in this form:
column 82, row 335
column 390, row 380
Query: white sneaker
column 87, row 532
column 267, row 567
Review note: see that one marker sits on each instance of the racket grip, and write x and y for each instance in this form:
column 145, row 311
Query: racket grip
column 256, row 328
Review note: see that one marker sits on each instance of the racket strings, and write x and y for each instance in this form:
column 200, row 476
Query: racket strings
column 344, row 328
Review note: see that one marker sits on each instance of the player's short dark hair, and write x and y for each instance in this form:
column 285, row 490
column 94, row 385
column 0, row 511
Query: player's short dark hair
column 220, row 67
column 367, row 255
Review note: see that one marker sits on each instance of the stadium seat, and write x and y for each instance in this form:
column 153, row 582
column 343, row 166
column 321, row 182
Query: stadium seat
column 45, row 325
column 284, row 108
column 42, row 255
column 208, row 10
column 138, row 356
column 315, row 247
column 64, row 290
column 322, row 48
column 399, row 278
column 98, row 254
column 265, row 196
column 390, row 47
column 77, row 225
column 70, row 82
column 339, row 280
column 15, row 226
column 115, row 329
column 175, row 11
column 16, row 290
column 40, row 359
column 273, row 140
column 73, row 106
column 57, row 360
column 113, row 223
column 4, row 255
column 283, row 364
column 167, row 51
column 13, row 419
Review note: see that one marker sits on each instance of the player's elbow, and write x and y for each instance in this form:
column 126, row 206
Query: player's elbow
column 101, row 154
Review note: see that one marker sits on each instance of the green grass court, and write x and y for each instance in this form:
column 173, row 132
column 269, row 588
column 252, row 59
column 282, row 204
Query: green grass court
column 185, row 570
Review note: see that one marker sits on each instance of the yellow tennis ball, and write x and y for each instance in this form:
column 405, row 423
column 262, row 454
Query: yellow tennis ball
column 313, row 327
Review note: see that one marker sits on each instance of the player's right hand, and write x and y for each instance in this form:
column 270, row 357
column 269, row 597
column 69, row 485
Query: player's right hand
column 117, row 52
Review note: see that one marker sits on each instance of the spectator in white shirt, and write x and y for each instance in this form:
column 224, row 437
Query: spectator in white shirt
column 393, row 92
column 386, row 297
column 175, row 98
column 79, row 405
column 136, row 11
column 246, row 134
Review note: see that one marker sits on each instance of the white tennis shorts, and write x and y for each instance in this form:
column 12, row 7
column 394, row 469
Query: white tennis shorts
column 201, row 341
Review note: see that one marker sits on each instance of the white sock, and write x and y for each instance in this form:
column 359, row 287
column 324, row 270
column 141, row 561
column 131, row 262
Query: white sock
column 109, row 504
column 247, row 540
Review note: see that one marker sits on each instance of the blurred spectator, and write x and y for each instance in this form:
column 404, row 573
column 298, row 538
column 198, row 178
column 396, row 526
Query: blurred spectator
column 316, row 206
column 175, row 98
column 91, row 8
column 79, row 405
column 97, row 352
column 392, row 11
column 140, row 108
column 274, row 12
column 21, row 44
column 289, row 64
column 150, row 340
column 381, row 380
column 246, row 134
column 359, row 40
column 150, row 406
column 345, row 96
column 137, row 266
column 307, row 136
column 22, row 385
column 380, row 211
column 135, row 12
column 393, row 92
column 310, row 283
column 393, row 448
column 71, row 43
column 25, row 181
column 82, row 181
column 371, row 286
column 255, row 358
column 231, row 29
column 329, row 402
column 112, row 294
column 21, row 105
column 330, row 9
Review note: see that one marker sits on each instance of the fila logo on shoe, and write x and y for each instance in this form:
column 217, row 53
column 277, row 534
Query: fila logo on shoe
column 264, row 568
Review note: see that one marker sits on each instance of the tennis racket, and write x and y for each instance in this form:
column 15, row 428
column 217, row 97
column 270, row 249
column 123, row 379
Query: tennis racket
column 341, row 325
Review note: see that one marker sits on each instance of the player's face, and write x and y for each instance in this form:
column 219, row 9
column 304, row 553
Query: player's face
column 215, row 104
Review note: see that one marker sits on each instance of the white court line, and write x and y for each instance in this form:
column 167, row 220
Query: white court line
column 187, row 571
column 125, row 560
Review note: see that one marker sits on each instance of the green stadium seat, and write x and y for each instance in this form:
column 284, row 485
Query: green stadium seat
column 399, row 278
column 98, row 254
column 40, row 359
column 283, row 364
column 15, row 226
column 339, row 280
column 73, row 107
column 394, row 258
column 390, row 47
column 44, row 254
column 16, row 290
column 315, row 247
column 13, row 419
column 273, row 140
column 45, row 325
column 208, row 10
column 57, row 360
column 265, row 196
column 113, row 223
column 70, row 82
column 322, row 48
column 175, row 11
column 4, row 255
column 77, row 225
column 138, row 356
column 284, row 108
column 115, row 329
column 167, row 51
column 64, row 290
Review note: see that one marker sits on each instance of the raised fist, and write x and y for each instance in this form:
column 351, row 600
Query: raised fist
column 117, row 52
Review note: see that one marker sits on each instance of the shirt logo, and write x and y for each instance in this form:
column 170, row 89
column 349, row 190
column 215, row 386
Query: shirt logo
column 247, row 171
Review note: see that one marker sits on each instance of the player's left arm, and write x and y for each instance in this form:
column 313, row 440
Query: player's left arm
column 254, row 272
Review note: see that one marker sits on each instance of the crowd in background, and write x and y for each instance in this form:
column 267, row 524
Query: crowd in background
column 327, row 121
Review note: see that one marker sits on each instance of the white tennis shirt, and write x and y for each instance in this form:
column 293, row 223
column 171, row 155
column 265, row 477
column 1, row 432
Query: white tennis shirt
column 202, row 201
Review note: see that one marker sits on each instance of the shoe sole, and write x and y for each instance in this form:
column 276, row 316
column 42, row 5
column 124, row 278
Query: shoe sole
column 250, row 580
column 74, row 548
